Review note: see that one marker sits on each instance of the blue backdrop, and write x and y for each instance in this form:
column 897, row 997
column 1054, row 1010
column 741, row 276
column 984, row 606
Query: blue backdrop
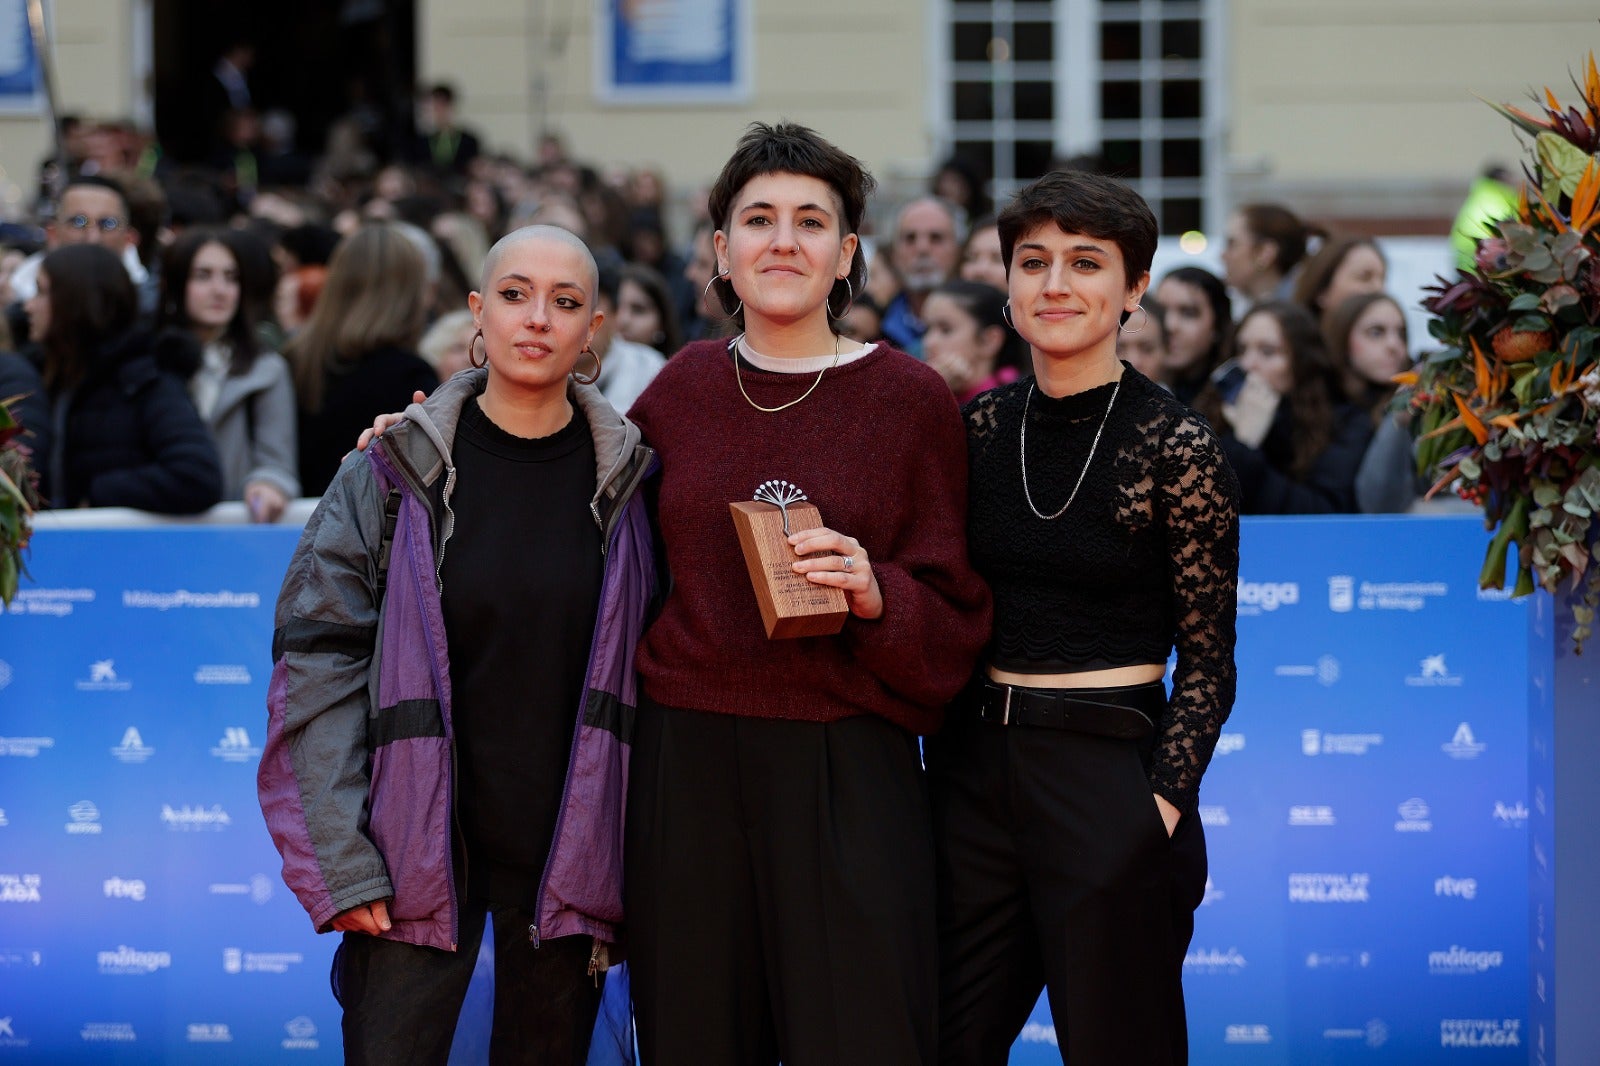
column 1367, row 809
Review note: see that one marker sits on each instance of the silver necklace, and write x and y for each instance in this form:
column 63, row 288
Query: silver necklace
column 733, row 344
column 1024, row 454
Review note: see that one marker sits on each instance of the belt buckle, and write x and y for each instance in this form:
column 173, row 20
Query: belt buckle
column 1005, row 708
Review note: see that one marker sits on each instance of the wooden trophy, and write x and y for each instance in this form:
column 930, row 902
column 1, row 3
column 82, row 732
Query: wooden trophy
column 791, row 606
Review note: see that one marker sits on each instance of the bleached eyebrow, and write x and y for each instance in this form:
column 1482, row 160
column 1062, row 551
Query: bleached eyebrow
column 503, row 278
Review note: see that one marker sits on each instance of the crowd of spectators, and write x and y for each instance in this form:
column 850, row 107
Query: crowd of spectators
column 276, row 302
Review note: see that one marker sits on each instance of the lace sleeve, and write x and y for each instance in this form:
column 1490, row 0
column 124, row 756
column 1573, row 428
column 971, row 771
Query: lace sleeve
column 1199, row 497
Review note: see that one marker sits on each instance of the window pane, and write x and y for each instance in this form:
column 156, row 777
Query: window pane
column 1180, row 216
column 1035, row 101
column 1180, row 39
column 1119, row 99
column 1180, row 99
column 1033, row 158
column 969, row 42
column 1123, row 158
column 974, row 101
column 1180, row 159
column 1119, row 40
column 1034, row 42
column 981, row 153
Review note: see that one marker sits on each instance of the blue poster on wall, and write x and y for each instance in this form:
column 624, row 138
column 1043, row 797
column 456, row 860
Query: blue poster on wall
column 21, row 80
column 672, row 51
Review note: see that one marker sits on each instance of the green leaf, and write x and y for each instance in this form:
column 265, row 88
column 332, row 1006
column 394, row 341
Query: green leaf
column 1545, row 494
column 1469, row 469
column 1525, row 302
column 8, row 578
column 1561, row 159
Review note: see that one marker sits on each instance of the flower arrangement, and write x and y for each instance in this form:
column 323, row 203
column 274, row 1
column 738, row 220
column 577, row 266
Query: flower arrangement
column 17, row 500
column 1507, row 411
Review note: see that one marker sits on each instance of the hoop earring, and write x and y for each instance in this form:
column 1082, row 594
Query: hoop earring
column 1124, row 325
column 1005, row 313
column 591, row 378
column 852, row 291
column 720, row 302
column 472, row 351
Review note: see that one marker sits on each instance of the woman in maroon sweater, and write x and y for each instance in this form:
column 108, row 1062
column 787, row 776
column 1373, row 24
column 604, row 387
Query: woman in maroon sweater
column 779, row 863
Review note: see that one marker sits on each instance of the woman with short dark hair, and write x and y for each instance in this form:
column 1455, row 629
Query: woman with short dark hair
column 1066, row 780
column 779, row 860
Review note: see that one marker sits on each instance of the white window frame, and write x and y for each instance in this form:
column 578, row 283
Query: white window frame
column 1078, row 72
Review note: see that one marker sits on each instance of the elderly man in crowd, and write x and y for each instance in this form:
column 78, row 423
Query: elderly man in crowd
column 927, row 245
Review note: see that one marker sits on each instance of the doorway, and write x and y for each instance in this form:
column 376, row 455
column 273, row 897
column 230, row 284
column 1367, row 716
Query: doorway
column 315, row 59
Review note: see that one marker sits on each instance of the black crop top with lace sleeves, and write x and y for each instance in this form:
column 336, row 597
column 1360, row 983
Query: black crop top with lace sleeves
column 1145, row 559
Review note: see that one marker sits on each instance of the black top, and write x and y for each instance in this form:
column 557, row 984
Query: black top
column 1147, row 556
column 128, row 434
column 1267, row 483
column 353, row 395
column 521, row 581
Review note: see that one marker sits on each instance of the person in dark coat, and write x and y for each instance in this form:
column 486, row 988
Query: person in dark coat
column 1293, row 442
column 122, row 430
column 20, row 384
column 356, row 356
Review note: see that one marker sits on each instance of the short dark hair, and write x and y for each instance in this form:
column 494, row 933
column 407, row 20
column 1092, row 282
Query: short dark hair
column 92, row 301
column 789, row 148
column 443, row 91
column 94, row 181
column 1092, row 204
column 1281, row 226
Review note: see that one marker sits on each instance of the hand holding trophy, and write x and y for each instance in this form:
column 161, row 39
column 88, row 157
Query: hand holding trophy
column 791, row 603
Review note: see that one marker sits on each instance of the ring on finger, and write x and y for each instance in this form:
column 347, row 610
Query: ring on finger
column 849, row 563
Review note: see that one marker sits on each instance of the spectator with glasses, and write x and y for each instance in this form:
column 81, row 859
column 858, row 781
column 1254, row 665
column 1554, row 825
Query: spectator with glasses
column 92, row 210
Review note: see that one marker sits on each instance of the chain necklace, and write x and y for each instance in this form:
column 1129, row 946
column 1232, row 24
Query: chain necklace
column 1024, row 454
column 733, row 344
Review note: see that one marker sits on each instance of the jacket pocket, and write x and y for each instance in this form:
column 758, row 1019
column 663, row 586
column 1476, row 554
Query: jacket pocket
column 409, row 821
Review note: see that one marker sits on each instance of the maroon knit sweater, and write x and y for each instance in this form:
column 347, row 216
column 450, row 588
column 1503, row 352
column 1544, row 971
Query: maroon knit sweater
column 880, row 449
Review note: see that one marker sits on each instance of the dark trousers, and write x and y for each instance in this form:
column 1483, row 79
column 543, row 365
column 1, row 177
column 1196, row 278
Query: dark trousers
column 1055, row 870
column 401, row 1000
column 779, row 891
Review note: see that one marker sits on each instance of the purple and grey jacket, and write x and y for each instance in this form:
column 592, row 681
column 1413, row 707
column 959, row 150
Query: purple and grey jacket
column 357, row 777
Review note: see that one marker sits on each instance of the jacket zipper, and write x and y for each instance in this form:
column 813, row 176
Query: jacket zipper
column 455, row 763
column 624, row 497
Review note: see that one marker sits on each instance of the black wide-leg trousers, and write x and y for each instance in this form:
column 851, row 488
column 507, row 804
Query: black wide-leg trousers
column 1055, row 871
column 401, row 1001
column 779, row 892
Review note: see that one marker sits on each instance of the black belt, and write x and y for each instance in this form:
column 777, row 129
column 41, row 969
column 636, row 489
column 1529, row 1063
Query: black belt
column 1105, row 712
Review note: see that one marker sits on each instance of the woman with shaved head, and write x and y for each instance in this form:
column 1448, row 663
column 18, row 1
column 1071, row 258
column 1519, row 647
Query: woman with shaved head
column 454, row 669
